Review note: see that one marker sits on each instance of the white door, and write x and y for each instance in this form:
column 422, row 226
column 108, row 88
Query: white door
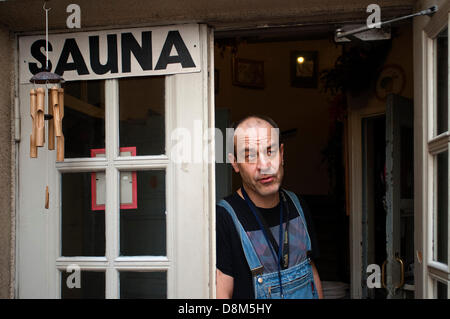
column 125, row 219
column 432, row 265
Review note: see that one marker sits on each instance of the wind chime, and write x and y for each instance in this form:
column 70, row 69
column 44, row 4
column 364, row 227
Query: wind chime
column 49, row 82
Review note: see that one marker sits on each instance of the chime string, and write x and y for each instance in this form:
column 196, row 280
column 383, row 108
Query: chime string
column 46, row 36
column 48, row 137
column 46, row 92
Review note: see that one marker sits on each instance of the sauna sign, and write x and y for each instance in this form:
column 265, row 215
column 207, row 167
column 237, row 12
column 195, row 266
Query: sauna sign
column 112, row 54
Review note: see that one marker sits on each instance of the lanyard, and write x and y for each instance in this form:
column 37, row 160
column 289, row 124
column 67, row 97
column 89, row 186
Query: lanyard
column 283, row 244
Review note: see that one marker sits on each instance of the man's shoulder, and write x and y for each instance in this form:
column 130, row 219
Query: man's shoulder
column 220, row 207
column 231, row 199
column 228, row 198
column 237, row 204
column 294, row 195
column 300, row 198
column 224, row 219
column 290, row 192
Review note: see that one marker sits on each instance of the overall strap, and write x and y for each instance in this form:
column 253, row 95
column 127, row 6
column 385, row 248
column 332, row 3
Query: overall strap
column 252, row 258
column 297, row 205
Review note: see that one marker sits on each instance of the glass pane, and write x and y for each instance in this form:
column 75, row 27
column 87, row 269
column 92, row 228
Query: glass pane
column 143, row 285
column 89, row 285
column 84, row 117
column 142, row 114
column 441, row 227
column 442, row 81
column 441, row 290
column 83, row 214
column 143, row 213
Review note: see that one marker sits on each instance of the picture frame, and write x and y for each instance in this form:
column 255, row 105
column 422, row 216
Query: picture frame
column 304, row 69
column 391, row 79
column 248, row 73
column 128, row 183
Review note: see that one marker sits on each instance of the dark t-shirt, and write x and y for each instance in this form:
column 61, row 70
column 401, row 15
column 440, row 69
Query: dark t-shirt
column 229, row 253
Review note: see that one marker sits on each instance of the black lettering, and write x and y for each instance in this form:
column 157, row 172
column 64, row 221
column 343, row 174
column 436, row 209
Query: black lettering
column 183, row 57
column 39, row 56
column 71, row 48
column 142, row 54
column 94, row 52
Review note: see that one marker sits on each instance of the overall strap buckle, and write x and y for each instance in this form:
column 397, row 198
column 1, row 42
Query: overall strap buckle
column 257, row 271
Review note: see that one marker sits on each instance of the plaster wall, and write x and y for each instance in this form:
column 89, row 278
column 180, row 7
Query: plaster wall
column 6, row 156
column 27, row 15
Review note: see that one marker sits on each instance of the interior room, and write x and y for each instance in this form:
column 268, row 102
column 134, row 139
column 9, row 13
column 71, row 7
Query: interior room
column 289, row 75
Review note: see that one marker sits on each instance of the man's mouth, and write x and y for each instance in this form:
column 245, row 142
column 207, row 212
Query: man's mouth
column 266, row 180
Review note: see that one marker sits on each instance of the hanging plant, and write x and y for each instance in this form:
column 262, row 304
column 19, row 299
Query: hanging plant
column 355, row 70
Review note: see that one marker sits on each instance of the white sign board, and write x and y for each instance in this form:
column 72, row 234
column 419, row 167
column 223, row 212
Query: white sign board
column 112, row 54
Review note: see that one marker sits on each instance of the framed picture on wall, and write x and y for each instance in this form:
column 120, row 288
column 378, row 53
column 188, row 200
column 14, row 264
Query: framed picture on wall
column 128, row 183
column 248, row 73
column 304, row 69
column 391, row 79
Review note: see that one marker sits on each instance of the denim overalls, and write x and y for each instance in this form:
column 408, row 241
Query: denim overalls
column 297, row 279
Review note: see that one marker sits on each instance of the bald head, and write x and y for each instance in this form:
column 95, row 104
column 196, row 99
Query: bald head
column 255, row 119
column 254, row 132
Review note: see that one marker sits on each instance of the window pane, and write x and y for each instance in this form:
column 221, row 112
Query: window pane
column 83, row 214
column 143, row 285
column 84, row 117
column 441, row 227
column 91, row 285
column 143, row 213
column 442, row 81
column 142, row 114
column 441, row 290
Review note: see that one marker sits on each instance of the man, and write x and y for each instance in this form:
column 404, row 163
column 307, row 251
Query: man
column 265, row 239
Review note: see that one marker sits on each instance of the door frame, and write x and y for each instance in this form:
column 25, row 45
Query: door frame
column 426, row 146
column 355, row 117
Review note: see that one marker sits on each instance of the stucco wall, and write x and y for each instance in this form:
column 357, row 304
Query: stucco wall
column 27, row 15
column 6, row 76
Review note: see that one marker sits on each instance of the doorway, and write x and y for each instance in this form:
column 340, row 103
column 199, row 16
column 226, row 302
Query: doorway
column 374, row 197
column 387, row 201
column 254, row 74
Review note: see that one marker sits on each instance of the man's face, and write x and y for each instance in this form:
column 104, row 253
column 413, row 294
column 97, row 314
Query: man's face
column 259, row 157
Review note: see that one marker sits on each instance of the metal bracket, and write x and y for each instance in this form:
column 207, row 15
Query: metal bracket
column 367, row 35
column 375, row 33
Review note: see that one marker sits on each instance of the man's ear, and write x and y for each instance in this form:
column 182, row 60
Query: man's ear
column 233, row 162
column 282, row 153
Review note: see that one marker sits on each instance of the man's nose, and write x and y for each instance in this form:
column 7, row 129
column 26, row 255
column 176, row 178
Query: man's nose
column 264, row 164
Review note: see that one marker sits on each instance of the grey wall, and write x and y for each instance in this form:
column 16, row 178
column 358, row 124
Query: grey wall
column 27, row 15
column 6, row 85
